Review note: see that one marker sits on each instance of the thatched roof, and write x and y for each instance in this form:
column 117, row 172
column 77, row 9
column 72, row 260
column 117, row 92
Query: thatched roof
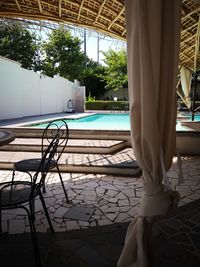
column 106, row 16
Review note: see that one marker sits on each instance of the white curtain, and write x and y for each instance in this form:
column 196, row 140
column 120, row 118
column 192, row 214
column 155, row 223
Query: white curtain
column 153, row 33
column 186, row 76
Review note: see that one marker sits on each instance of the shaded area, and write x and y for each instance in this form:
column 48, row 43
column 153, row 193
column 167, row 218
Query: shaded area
column 177, row 237
column 176, row 241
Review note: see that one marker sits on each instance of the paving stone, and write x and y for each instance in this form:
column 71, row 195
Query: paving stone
column 16, row 226
column 72, row 225
column 123, row 203
column 104, row 222
column 60, row 212
column 121, row 217
column 111, row 216
column 79, row 213
column 113, row 209
column 121, row 196
column 83, row 223
column 124, row 209
column 112, row 200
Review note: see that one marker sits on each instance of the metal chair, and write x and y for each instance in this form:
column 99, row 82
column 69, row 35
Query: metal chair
column 16, row 194
column 30, row 165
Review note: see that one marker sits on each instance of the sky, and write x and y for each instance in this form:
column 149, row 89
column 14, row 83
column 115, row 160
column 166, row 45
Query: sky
column 105, row 43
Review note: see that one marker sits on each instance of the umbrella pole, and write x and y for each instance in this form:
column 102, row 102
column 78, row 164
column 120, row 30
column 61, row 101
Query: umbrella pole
column 193, row 96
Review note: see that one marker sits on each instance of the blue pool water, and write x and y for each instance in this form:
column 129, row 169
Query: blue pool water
column 101, row 122
column 96, row 122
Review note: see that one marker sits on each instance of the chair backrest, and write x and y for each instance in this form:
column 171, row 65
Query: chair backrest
column 56, row 128
column 47, row 157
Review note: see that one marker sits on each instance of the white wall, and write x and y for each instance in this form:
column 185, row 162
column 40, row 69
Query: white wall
column 25, row 93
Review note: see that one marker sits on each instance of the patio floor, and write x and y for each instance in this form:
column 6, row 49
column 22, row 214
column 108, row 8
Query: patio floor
column 113, row 203
column 94, row 234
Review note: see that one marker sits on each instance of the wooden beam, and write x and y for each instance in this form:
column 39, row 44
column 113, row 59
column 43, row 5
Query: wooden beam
column 18, row 5
column 57, row 19
column 40, row 6
column 80, row 8
column 190, row 13
column 187, row 49
column 116, row 18
column 123, row 33
column 189, row 28
column 100, row 9
column 188, row 39
column 60, row 8
column 197, row 46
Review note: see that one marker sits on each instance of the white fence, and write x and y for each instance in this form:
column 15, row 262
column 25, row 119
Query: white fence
column 26, row 93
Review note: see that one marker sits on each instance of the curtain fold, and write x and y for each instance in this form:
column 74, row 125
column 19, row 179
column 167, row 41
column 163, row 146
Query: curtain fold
column 153, row 33
column 186, row 76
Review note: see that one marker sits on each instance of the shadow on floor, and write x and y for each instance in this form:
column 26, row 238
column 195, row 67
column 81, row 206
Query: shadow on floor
column 176, row 242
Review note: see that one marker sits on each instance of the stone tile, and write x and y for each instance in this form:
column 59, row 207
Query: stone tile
column 111, row 216
column 112, row 200
column 71, row 225
column 104, row 222
column 112, row 193
column 133, row 211
column 122, row 217
column 83, row 224
column 16, row 226
column 60, row 212
column 121, row 196
column 123, row 203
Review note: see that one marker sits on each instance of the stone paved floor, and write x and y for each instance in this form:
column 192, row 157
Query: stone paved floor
column 123, row 156
column 113, row 199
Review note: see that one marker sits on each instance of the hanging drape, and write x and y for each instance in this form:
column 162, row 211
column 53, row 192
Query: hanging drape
column 153, row 30
column 186, row 76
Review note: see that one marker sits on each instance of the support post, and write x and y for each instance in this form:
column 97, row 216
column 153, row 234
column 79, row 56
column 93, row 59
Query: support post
column 193, row 95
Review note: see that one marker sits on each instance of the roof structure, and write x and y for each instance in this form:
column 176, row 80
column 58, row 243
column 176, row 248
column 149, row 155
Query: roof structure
column 107, row 17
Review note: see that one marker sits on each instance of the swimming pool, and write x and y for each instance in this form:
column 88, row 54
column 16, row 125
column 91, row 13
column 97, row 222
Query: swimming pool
column 96, row 122
column 101, row 122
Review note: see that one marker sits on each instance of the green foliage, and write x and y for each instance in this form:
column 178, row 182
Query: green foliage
column 62, row 55
column 116, row 72
column 107, row 105
column 90, row 98
column 20, row 45
column 92, row 79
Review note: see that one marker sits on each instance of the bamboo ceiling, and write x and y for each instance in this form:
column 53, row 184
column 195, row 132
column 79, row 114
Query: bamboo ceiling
column 106, row 16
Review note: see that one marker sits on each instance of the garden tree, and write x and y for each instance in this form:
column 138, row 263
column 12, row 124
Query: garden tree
column 116, row 71
column 62, row 55
column 92, row 79
column 20, row 45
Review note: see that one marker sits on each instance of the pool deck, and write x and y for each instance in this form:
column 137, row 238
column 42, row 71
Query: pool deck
column 19, row 122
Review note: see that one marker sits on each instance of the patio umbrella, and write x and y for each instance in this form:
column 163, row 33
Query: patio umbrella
column 153, row 30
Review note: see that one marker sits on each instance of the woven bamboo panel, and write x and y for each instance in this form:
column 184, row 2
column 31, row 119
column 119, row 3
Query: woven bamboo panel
column 106, row 16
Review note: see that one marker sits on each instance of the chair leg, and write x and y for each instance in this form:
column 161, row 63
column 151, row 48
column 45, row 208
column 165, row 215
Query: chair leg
column 63, row 186
column 46, row 212
column 13, row 175
column 44, row 188
column 0, row 221
column 31, row 218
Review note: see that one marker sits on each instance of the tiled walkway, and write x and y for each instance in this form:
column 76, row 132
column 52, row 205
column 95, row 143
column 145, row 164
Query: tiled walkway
column 110, row 199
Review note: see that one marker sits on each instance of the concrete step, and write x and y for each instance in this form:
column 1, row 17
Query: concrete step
column 112, row 169
column 34, row 145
